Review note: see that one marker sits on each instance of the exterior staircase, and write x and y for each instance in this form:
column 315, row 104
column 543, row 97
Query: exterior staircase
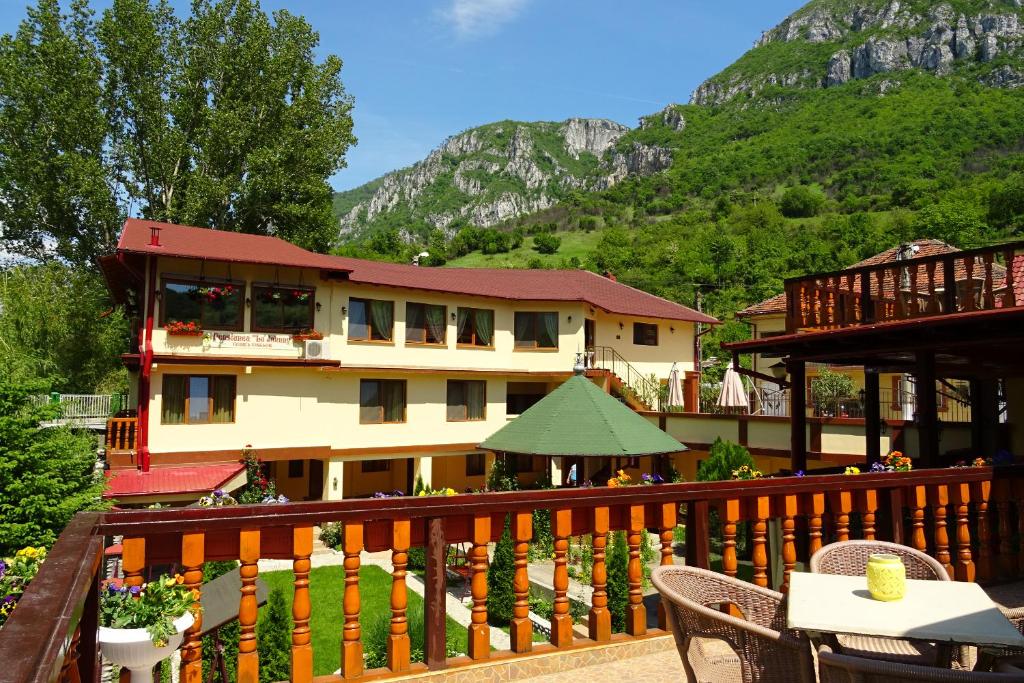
column 624, row 381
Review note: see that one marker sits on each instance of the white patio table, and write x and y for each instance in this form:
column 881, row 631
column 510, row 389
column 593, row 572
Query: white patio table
column 954, row 612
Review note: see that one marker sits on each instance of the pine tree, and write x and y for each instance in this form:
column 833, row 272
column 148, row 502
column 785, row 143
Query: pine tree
column 618, row 582
column 274, row 639
column 500, row 576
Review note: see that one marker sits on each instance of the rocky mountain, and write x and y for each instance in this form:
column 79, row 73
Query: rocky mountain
column 490, row 174
column 830, row 42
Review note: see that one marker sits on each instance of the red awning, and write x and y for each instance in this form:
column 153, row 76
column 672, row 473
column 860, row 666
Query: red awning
column 170, row 480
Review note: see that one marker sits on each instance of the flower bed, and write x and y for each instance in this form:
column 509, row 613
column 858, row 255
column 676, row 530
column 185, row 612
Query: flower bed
column 15, row 574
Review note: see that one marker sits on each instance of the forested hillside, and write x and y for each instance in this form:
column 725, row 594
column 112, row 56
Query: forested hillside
column 849, row 127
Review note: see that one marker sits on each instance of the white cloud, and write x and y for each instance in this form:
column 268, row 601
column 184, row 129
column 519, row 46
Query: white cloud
column 478, row 18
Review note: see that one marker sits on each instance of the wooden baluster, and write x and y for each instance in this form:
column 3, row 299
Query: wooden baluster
column 636, row 613
column 479, row 631
column 933, row 299
column 133, row 561
column 917, row 500
column 938, row 498
column 561, row 620
column 788, row 508
column 248, row 657
column 521, row 628
column 352, row 646
column 729, row 519
column 915, row 307
column 988, row 294
column 1017, row 486
column 398, row 639
column 969, row 303
column 867, row 503
column 1007, row 562
column 193, row 555
column 600, row 619
column 980, row 492
column 302, row 649
column 897, row 294
column 843, row 506
column 1010, row 295
column 961, row 497
column 760, row 554
column 69, row 672
column 669, row 519
column 816, row 508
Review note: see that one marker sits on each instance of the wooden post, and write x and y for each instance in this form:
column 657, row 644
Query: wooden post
column 561, row 620
column 816, row 510
column 352, row 645
column 896, row 516
column 927, row 408
column 435, row 626
column 843, row 502
column 697, row 541
column 938, row 498
column 248, row 657
column 918, row 499
column 1007, row 561
column 872, row 416
column 961, row 496
column 192, row 557
column 521, row 629
column 798, row 417
column 787, row 505
column 636, row 613
column 867, row 503
column 479, row 631
column 729, row 519
column 669, row 519
column 759, row 554
column 302, row 649
column 981, row 491
column 398, row 639
column 599, row 622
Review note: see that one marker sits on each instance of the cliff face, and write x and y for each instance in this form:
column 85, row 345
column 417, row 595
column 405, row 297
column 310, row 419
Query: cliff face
column 830, row 42
column 490, row 174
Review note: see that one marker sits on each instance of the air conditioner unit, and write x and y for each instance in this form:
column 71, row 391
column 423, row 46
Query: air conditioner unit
column 316, row 349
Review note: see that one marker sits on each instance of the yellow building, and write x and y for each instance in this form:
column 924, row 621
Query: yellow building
column 349, row 377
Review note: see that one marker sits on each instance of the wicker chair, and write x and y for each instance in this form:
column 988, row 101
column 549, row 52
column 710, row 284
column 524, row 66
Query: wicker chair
column 1009, row 598
column 715, row 646
column 850, row 558
column 837, row 668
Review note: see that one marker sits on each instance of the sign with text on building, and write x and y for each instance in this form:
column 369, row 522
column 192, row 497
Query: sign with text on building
column 251, row 340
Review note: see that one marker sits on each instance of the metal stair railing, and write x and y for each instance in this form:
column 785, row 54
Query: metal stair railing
column 641, row 388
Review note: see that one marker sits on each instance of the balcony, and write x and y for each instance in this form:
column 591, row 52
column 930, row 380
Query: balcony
column 971, row 281
column 969, row 519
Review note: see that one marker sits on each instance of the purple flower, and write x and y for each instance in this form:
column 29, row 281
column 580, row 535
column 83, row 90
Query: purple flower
column 658, row 479
column 878, row 467
column 219, row 493
column 3, row 568
column 647, row 478
column 798, row 473
column 9, row 600
column 112, row 589
column 134, row 590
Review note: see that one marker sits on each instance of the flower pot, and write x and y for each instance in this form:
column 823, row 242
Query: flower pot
column 133, row 648
column 887, row 577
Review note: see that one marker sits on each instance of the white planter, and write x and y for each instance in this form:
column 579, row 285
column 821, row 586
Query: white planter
column 133, row 648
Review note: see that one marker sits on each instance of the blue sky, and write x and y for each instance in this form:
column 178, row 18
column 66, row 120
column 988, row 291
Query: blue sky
column 423, row 70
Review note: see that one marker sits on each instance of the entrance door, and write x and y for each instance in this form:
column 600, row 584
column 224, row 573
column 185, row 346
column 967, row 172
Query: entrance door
column 316, row 479
column 589, row 334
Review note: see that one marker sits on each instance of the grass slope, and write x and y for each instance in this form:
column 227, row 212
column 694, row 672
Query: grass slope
column 574, row 244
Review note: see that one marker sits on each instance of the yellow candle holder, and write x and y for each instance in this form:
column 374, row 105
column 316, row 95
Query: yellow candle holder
column 887, row 577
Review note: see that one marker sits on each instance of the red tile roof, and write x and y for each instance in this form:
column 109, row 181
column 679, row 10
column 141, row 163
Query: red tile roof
column 169, row 480
column 515, row 284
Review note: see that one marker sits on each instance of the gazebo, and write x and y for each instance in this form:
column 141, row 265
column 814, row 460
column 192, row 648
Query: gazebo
column 580, row 425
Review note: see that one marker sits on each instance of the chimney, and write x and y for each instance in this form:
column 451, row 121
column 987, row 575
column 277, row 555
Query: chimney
column 608, row 274
column 154, row 236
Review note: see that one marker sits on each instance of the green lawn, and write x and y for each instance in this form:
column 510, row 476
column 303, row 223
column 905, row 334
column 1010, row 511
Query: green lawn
column 574, row 243
column 326, row 589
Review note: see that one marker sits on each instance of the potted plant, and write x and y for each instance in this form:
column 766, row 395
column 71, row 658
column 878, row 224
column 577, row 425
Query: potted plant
column 303, row 335
column 189, row 329
column 143, row 625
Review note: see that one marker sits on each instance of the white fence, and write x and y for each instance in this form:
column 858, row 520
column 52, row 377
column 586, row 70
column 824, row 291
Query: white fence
column 74, row 407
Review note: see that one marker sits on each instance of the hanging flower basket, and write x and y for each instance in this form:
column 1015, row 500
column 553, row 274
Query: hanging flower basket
column 180, row 329
column 307, row 334
column 211, row 293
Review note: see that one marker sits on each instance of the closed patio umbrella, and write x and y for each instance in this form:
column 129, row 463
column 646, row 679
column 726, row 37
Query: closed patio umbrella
column 733, row 394
column 675, row 389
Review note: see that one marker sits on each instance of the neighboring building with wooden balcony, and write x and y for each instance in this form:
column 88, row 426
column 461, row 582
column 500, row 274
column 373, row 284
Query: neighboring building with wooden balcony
column 349, row 376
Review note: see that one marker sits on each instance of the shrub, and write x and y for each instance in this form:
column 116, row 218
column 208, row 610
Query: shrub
column 228, row 633
column 723, row 458
column 829, row 386
column 330, row 534
column 800, row 201
column 547, row 243
column 618, row 582
column 500, row 575
column 375, row 639
column 274, row 639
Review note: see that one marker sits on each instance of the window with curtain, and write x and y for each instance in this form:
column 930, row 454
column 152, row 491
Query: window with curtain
column 536, row 330
column 476, row 465
column 198, row 399
column 645, row 334
column 476, row 327
column 371, row 320
column 467, row 400
column 381, row 401
column 283, row 309
column 425, row 324
column 213, row 305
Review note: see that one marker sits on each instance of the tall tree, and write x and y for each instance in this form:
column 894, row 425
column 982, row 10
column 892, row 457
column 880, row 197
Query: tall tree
column 223, row 119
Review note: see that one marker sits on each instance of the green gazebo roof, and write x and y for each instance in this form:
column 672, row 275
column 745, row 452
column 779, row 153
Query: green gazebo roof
column 579, row 419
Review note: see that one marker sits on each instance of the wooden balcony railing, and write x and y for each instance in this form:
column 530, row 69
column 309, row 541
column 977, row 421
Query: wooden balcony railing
column 971, row 520
column 958, row 282
column 121, row 433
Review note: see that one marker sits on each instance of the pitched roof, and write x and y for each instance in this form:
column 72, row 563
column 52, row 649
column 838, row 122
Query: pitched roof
column 515, row 284
column 579, row 419
column 169, row 480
